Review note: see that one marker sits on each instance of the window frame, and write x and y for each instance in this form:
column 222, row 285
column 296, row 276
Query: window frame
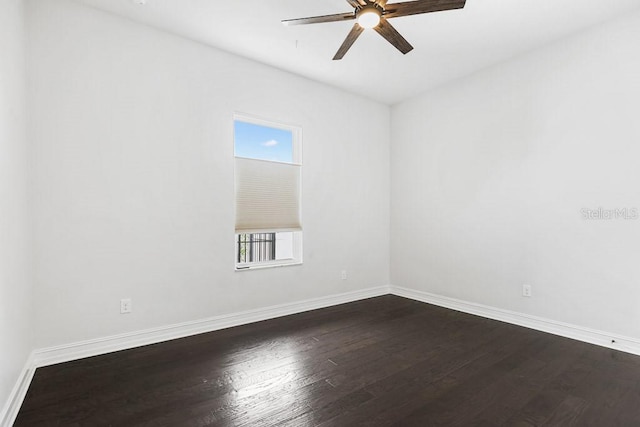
column 296, row 148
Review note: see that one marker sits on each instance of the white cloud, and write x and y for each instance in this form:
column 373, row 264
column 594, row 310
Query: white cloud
column 270, row 143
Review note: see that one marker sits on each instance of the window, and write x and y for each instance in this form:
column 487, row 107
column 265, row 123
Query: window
column 268, row 189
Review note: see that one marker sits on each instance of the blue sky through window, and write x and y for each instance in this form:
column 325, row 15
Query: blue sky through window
column 263, row 142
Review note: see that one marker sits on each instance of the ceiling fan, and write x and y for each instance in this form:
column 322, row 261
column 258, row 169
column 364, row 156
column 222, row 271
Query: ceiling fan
column 375, row 14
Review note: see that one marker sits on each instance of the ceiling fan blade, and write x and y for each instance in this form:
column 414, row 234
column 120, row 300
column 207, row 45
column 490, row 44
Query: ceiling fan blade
column 357, row 3
column 320, row 19
column 348, row 42
column 386, row 30
column 421, row 6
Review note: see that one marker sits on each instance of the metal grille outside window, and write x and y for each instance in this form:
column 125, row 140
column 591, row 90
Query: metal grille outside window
column 256, row 247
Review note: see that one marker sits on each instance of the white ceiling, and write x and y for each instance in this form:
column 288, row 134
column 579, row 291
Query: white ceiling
column 447, row 45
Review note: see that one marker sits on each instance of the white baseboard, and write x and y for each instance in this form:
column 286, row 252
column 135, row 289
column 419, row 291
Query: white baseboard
column 592, row 336
column 94, row 347
column 12, row 406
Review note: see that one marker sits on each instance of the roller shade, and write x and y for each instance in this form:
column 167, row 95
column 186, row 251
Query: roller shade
column 267, row 196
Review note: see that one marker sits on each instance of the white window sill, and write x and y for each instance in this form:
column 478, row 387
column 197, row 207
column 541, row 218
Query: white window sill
column 277, row 264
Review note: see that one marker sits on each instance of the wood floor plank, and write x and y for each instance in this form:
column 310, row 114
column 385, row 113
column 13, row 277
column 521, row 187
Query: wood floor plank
column 378, row 362
column 568, row 413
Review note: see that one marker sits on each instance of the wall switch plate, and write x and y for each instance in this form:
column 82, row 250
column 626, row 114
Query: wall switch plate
column 125, row 306
column 343, row 275
column 526, row 291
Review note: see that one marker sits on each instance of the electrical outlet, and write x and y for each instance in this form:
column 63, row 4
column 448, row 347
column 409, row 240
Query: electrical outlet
column 526, row 291
column 125, row 306
column 343, row 275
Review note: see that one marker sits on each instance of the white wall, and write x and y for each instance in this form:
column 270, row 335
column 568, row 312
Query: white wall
column 15, row 289
column 490, row 173
column 133, row 178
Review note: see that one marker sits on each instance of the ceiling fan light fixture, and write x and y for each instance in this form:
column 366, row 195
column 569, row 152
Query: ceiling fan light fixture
column 369, row 17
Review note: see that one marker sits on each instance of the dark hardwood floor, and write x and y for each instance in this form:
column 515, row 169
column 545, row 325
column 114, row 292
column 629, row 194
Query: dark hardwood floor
column 385, row 361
